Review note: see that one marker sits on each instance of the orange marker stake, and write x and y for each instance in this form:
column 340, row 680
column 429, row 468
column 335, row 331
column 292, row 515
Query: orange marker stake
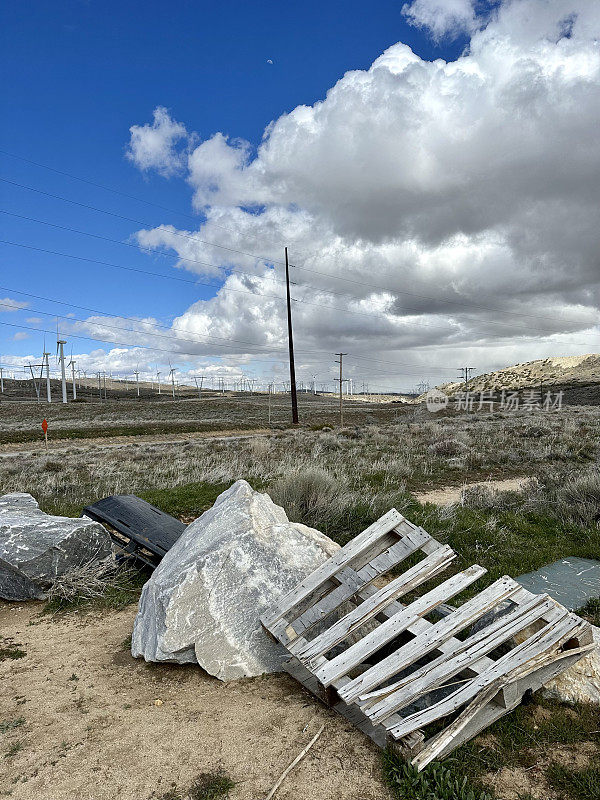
column 45, row 429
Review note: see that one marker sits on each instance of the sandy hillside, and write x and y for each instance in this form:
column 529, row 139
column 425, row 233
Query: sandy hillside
column 562, row 370
column 93, row 732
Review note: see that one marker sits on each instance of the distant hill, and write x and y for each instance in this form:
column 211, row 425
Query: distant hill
column 577, row 376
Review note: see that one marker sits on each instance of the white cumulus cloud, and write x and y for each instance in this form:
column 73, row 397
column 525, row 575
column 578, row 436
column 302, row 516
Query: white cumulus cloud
column 454, row 206
column 161, row 145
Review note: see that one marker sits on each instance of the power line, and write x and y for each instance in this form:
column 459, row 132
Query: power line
column 423, row 296
column 111, row 189
column 192, row 237
column 141, row 332
column 158, row 335
column 154, row 349
column 136, row 247
column 124, row 344
column 388, row 317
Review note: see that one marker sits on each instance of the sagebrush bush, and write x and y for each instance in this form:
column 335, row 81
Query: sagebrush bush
column 579, row 497
column 448, row 447
column 313, row 496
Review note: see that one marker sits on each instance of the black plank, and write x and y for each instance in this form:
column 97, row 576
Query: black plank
column 146, row 527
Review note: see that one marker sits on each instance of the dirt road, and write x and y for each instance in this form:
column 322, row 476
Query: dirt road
column 64, row 445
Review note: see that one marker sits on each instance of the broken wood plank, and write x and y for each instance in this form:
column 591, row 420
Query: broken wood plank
column 397, row 624
column 438, row 561
column 546, row 666
column 433, row 675
column 542, row 645
column 303, row 590
column 432, row 637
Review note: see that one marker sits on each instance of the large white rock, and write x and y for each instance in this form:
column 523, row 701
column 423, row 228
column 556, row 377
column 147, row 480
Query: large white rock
column 36, row 548
column 581, row 682
column 204, row 600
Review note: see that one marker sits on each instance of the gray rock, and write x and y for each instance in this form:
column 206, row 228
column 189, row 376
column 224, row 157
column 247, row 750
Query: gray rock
column 35, row 547
column 204, row 601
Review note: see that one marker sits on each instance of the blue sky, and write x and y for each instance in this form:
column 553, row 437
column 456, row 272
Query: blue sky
column 81, row 73
column 77, row 75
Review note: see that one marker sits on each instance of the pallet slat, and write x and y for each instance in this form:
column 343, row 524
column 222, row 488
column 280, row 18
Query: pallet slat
column 344, row 627
column 432, row 637
column 352, row 582
column 397, row 624
column 366, row 539
column 487, row 686
column 442, row 669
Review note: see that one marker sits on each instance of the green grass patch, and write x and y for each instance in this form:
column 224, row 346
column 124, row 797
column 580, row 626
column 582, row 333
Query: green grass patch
column 578, row 784
column 11, row 724
column 210, row 786
column 435, row 782
column 207, row 786
column 591, row 611
column 13, row 749
column 191, row 498
column 146, row 429
column 10, row 650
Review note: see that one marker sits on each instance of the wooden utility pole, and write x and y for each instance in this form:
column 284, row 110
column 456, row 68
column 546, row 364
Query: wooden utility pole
column 291, row 343
column 341, row 355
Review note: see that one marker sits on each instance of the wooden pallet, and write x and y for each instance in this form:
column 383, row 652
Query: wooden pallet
column 372, row 658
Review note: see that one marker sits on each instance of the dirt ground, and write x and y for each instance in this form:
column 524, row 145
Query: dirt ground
column 448, row 495
column 64, row 445
column 92, row 730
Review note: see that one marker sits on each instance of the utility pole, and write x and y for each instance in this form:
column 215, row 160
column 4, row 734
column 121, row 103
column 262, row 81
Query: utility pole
column 465, row 375
column 35, row 386
column 2, row 380
column 269, row 404
column 100, row 385
column 199, row 388
column 291, row 343
column 72, row 365
column 46, row 363
column 137, row 382
column 173, row 380
column 341, row 355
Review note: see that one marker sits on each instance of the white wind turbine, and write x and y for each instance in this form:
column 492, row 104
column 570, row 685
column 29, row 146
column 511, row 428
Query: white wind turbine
column 158, row 378
column 137, row 380
column 172, row 374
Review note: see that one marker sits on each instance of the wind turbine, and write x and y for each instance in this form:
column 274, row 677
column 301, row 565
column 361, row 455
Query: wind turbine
column 72, row 365
column 60, row 352
column 172, row 374
column 137, row 380
column 158, row 378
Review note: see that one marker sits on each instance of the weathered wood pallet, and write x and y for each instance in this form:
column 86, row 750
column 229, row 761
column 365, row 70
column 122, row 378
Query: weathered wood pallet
column 395, row 668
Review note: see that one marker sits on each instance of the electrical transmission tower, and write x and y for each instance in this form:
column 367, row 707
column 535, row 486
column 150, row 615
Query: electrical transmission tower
column 341, row 355
column 465, row 375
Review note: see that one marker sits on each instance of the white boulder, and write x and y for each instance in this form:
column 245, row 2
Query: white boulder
column 36, row 548
column 204, row 601
column 581, row 682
